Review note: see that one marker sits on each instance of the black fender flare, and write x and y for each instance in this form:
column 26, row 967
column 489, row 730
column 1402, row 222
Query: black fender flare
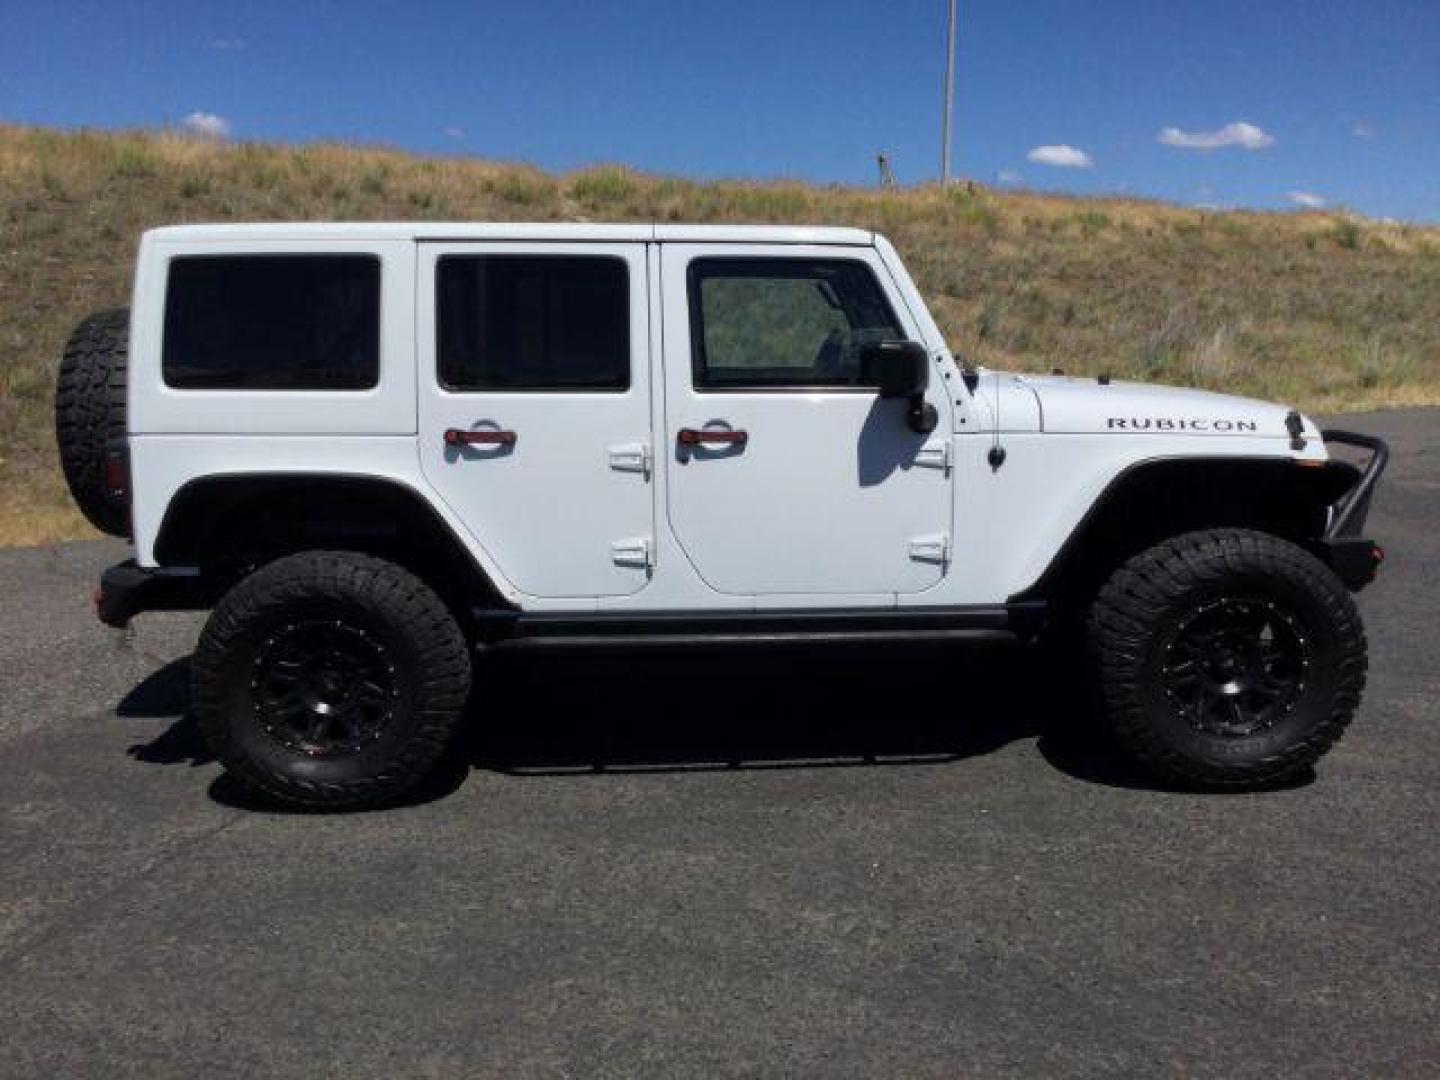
column 222, row 522
column 1161, row 496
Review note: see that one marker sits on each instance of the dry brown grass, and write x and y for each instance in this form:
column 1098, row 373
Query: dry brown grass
column 1325, row 311
column 25, row 525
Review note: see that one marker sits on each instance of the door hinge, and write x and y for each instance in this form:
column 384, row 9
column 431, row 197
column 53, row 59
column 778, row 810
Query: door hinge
column 638, row 552
column 934, row 548
column 936, row 455
column 631, row 457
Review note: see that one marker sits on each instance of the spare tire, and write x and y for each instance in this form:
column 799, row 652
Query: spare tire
column 90, row 416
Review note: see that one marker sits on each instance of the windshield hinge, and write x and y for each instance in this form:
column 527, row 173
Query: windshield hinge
column 936, row 455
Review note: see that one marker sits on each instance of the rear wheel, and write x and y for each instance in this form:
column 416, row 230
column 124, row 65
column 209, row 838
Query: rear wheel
column 1227, row 658
column 331, row 679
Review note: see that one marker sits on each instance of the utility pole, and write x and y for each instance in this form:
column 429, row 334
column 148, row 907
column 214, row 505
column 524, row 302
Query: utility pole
column 949, row 97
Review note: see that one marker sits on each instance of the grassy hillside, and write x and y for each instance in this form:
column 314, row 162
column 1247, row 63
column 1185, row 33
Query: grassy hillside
column 1321, row 310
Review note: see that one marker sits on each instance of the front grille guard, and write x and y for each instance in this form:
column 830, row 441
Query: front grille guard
column 1348, row 513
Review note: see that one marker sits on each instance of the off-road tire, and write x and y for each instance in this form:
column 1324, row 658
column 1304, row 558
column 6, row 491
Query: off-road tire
column 90, row 414
column 428, row 653
column 1153, row 592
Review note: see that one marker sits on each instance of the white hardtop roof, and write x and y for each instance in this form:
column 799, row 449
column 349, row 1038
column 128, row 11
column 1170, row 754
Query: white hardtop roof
column 550, row 230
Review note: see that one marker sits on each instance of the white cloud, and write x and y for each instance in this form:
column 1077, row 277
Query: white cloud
column 1005, row 176
column 454, row 132
column 1361, row 130
column 229, row 44
column 206, row 125
column 1307, row 199
column 1239, row 133
column 1061, row 157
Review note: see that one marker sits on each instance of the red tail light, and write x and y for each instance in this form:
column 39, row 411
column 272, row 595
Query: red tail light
column 117, row 475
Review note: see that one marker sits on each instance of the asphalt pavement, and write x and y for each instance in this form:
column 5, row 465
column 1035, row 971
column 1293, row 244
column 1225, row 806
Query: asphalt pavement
column 844, row 863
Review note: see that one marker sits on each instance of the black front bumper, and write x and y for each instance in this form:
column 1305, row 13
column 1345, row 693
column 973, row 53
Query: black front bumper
column 1354, row 558
column 127, row 589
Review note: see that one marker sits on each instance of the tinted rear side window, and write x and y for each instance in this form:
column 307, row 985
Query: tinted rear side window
column 273, row 322
column 533, row 322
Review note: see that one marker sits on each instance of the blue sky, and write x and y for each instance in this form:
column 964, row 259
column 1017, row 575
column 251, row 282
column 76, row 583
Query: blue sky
column 1340, row 99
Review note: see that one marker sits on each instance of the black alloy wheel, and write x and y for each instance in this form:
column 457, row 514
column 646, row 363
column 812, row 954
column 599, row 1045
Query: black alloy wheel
column 1234, row 666
column 324, row 687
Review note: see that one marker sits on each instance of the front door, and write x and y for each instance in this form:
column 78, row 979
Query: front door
column 534, row 408
column 787, row 473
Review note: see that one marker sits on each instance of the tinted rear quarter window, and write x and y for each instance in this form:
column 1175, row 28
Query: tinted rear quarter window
column 272, row 322
column 533, row 322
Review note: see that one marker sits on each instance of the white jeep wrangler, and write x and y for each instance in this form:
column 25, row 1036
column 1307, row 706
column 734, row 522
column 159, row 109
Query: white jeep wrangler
column 373, row 449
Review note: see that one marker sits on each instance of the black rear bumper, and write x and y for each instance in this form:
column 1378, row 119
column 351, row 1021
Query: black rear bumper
column 1354, row 558
column 127, row 589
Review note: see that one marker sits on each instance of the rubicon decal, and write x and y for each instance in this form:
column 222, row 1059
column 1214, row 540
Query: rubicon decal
column 1176, row 423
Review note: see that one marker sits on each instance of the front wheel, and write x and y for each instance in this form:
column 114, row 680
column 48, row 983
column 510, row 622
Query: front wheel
column 1227, row 658
column 331, row 679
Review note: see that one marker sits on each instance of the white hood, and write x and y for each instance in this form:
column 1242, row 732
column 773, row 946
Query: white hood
column 1085, row 405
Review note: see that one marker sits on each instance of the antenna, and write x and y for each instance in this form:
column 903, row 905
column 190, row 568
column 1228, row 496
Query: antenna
column 996, row 456
column 949, row 103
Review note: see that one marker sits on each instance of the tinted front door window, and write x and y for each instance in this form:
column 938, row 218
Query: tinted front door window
column 776, row 323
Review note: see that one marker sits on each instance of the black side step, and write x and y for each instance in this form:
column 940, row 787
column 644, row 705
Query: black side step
column 999, row 624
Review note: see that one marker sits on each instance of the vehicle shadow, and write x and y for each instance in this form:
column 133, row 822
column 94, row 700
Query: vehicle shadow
column 563, row 714
column 743, row 707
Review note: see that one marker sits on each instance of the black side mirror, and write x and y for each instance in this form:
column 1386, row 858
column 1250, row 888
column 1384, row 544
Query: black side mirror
column 900, row 368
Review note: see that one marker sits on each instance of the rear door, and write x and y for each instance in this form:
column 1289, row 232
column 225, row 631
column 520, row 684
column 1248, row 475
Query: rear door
column 786, row 472
column 534, row 408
